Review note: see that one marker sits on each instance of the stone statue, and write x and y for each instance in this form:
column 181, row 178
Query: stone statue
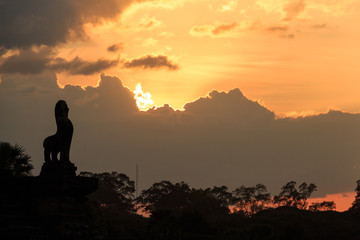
column 61, row 141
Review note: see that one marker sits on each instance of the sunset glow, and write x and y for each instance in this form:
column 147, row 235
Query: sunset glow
column 220, row 92
column 294, row 55
column 143, row 100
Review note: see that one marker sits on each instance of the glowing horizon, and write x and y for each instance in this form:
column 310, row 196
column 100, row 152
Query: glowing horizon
column 295, row 58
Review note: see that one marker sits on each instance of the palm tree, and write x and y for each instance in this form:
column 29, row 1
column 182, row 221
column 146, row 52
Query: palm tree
column 13, row 159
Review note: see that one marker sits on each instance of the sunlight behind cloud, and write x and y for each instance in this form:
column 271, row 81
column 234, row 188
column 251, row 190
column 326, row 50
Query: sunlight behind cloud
column 143, row 100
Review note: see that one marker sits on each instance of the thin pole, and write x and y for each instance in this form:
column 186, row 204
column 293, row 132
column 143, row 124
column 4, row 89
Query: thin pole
column 137, row 180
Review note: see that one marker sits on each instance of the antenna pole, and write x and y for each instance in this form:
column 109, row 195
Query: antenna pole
column 137, row 181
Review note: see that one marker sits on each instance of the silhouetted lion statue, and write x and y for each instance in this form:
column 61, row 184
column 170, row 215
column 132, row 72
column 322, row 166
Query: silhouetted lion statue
column 61, row 141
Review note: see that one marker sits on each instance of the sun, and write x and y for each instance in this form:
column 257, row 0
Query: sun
column 143, row 100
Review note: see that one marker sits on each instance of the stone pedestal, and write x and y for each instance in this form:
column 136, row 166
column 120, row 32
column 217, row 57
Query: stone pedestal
column 50, row 206
column 58, row 169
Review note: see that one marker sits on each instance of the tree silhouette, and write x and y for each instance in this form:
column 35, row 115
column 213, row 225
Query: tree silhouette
column 221, row 194
column 305, row 192
column 164, row 195
column 291, row 197
column 14, row 159
column 322, row 206
column 356, row 204
column 250, row 200
column 115, row 190
column 179, row 198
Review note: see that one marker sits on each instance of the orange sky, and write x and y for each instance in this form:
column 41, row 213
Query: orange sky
column 343, row 201
column 293, row 56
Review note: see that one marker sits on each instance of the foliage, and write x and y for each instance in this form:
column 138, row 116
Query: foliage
column 250, row 200
column 179, row 198
column 14, row 158
column 356, row 204
column 322, row 206
column 291, row 197
column 115, row 190
column 221, row 194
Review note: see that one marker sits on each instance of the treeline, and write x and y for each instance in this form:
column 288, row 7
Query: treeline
column 177, row 211
column 116, row 189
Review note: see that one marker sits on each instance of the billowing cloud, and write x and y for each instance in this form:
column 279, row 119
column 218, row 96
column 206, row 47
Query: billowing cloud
column 36, row 61
column 25, row 23
column 151, row 62
column 221, row 139
column 116, row 47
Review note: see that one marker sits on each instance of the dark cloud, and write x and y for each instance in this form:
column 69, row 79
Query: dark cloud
column 25, row 23
column 77, row 66
column 116, row 47
column 223, row 28
column 293, row 9
column 221, row 104
column 221, row 139
column 36, row 61
column 27, row 61
column 44, row 82
column 2, row 51
column 152, row 62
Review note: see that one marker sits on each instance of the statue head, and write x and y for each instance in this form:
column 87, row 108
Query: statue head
column 61, row 109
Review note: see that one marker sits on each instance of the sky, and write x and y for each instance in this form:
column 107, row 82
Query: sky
column 209, row 92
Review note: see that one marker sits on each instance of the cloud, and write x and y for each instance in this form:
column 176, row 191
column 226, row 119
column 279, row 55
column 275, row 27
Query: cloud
column 277, row 29
column 220, row 139
column 166, row 34
column 218, row 29
column 228, row 7
column 149, row 42
column 77, row 66
column 116, row 47
column 293, row 9
column 38, row 60
column 151, row 62
column 281, row 31
column 223, row 28
column 2, row 51
column 147, row 23
column 215, row 104
column 287, row 36
column 25, row 23
column 30, row 61
column 320, row 26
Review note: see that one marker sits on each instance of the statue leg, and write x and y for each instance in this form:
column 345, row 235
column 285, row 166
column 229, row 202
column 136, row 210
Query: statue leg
column 47, row 148
column 46, row 156
column 64, row 155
